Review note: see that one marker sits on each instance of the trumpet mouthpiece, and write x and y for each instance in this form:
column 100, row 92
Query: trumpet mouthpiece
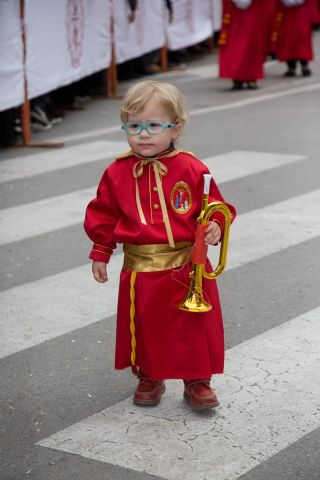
column 207, row 179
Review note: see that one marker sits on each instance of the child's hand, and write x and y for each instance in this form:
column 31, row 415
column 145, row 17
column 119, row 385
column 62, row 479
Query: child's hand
column 99, row 270
column 213, row 234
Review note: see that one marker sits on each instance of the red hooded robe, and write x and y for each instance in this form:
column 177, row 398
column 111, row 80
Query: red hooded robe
column 294, row 35
column 242, row 40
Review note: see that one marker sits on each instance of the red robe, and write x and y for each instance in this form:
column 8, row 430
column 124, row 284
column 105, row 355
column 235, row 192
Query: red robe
column 242, row 40
column 316, row 12
column 294, row 36
column 271, row 12
column 170, row 343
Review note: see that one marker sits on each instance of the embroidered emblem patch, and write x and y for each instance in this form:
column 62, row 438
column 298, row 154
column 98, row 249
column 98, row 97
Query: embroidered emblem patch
column 180, row 198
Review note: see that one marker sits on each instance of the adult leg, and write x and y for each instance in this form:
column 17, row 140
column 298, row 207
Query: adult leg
column 306, row 72
column 292, row 64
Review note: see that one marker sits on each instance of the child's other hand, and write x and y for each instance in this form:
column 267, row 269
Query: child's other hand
column 99, row 270
column 213, row 234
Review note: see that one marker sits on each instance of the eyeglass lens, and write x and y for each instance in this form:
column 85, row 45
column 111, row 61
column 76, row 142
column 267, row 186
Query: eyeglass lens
column 152, row 127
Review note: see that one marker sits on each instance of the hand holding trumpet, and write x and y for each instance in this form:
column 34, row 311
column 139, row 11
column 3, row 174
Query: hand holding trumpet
column 212, row 234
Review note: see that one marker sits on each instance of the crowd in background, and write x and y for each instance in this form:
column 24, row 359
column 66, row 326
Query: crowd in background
column 252, row 30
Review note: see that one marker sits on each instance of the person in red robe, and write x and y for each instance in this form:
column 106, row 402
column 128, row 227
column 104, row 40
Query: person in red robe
column 293, row 34
column 242, row 41
column 149, row 200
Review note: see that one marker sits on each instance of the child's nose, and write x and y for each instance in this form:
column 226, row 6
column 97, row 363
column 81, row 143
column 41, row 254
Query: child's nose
column 144, row 133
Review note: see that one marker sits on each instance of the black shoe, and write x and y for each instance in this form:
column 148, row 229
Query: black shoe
column 237, row 85
column 306, row 72
column 290, row 73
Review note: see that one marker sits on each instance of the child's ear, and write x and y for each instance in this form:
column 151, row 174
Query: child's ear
column 177, row 131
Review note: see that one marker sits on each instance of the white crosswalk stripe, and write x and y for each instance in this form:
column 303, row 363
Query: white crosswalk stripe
column 21, row 222
column 44, row 216
column 257, row 99
column 269, row 399
column 271, row 229
column 44, row 162
column 28, row 320
column 238, row 164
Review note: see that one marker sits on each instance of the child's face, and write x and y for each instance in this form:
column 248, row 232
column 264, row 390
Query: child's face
column 149, row 145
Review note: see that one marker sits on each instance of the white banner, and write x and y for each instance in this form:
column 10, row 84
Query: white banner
column 11, row 56
column 192, row 23
column 144, row 34
column 66, row 41
column 217, row 15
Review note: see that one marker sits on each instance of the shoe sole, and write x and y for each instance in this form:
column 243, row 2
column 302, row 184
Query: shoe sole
column 149, row 403
column 200, row 407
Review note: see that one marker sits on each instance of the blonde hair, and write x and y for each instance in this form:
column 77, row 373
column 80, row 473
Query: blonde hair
column 140, row 93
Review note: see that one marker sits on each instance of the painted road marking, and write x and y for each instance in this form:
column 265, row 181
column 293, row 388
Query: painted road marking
column 41, row 310
column 229, row 163
column 238, row 164
column 269, row 400
column 271, row 229
column 28, row 165
column 256, row 99
column 37, row 218
column 41, row 217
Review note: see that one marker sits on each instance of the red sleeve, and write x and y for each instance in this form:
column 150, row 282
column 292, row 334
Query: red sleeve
column 100, row 220
column 215, row 196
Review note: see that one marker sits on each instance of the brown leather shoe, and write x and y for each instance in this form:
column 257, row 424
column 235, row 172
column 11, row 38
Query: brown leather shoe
column 199, row 394
column 148, row 392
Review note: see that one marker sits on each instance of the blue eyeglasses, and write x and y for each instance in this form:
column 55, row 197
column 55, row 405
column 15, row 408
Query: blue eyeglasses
column 153, row 127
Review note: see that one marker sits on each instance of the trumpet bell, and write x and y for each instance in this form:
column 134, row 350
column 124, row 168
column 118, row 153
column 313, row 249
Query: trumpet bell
column 194, row 302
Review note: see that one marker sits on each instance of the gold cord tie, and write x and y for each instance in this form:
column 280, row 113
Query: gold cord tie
column 159, row 169
column 132, row 315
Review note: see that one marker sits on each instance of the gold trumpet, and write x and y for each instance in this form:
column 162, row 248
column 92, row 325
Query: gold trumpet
column 194, row 301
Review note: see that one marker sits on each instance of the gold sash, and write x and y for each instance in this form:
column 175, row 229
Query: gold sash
column 155, row 257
